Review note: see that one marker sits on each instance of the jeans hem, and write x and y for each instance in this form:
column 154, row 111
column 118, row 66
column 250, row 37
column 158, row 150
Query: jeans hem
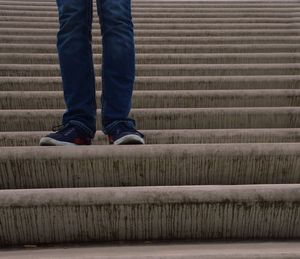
column 109, row 127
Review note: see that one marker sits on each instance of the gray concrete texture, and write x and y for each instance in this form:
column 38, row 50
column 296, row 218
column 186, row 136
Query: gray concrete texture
column 164, row 83
column 158, row 48
column 35, row 167
column 166, row 250
column 166, row 58
column 162, row 99
column 177, row 136
column 170, row 118
column 217, row 96
column 139, row 213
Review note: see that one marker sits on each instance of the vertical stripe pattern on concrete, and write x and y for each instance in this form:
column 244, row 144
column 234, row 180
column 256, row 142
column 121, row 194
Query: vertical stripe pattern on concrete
column 217, row 95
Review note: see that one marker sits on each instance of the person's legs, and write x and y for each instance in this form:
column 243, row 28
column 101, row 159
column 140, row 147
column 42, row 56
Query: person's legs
column 74, row 48
column 77, row 70
column 118, row 62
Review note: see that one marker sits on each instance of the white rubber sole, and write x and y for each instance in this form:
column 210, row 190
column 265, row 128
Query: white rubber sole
column 129, row 139
column 46, row 141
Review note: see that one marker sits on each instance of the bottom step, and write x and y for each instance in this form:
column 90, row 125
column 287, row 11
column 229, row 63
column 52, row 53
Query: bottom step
column 39, row 216
column 266, row 250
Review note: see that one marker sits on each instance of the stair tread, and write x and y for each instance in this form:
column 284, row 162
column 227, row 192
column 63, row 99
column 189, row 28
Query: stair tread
column 262, row 193
column 162, row 250
column 107, row 214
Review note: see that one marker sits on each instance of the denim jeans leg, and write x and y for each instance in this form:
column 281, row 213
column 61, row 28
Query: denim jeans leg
column 118, row 61
column 74, row 46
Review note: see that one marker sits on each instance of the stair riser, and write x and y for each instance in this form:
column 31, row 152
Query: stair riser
column 163, row 40
column 241, row 58
column 173, row 137
column 50, row 6
column 107, row 215
column 181, row 9
column 164, row 83
column 165, row 26
column 91, row 166
column 33, row 120
column 163, row 70
column 155, row 100
column 154, row 48
column 184, row 20
column 179, row 3
column 221, row 15
column 202, row 33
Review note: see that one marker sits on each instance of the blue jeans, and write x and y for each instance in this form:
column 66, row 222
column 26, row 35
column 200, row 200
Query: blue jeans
column 74, row 48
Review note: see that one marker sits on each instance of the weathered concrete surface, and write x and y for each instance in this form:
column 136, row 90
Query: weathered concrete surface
column 164, row 83
column 227, row 46
column 180, row 5
column 169, row 136
column 138, row 9
column 170, row 118
column 165, row 69
column 144, row 213
column 277, row 19
column 158, row 48
column 40, row 167
column 166, row 25
column 163, row 99
column 228, row 2
column 175, row 250
column 164, row 58
column 52, row 10
column 194, row 32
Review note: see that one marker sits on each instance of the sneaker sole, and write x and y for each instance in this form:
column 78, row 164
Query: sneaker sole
column 129, row 139
column 46, row 141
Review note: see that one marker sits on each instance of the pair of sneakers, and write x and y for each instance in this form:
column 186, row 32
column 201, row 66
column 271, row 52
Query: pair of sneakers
column 68, row 134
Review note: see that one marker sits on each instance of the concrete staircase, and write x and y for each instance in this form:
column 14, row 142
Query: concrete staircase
column 217, row 95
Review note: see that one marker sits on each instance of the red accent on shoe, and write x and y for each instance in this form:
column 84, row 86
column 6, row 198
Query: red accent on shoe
column 110, row 139
column 79, row 141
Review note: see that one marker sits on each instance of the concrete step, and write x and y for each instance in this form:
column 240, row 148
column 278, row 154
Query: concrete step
column 164, row 58
column 149, row 165
column 158, row 48
column 210, row 4
column 49, row 10
column 164, row 32
column 162, row 99
column 217, row 97
column 221, row 4
column 161, row 250
column 37, row 216
column 151, row 19
column 43, row 39
column 274, row 15
column 171, row 136
column 165, row 26
column 233, row 2
column 21, row 83
column 178, row 3
column 36, row 70
column 170, row 118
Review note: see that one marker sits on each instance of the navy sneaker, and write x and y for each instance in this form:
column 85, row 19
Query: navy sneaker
column 65, row 135
column 123, row 134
